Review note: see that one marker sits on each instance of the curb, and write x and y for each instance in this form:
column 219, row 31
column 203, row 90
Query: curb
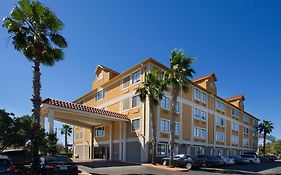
column 219, row 170
column 165, row 167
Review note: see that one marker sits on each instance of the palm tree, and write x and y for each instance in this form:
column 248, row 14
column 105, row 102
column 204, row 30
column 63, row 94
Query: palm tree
column 66, row 130
column 34, row 29
column 178, row 80
column 265, row 127
column 152, row 89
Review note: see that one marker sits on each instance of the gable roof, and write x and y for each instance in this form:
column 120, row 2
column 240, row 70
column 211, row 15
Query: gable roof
column 108, row 69
column 237, row 97
column 80, row 107
column 205, row 77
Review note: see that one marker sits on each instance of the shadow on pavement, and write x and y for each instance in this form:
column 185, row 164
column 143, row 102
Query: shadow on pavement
column 105, row 163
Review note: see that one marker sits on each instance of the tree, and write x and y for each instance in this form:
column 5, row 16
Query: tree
column 6, row 129
column 152, row 89
column 34, row 29
column 181, row 71
column 66, row 130
column 266, row 128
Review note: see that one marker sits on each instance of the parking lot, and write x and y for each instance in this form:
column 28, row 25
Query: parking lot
column 106, row 167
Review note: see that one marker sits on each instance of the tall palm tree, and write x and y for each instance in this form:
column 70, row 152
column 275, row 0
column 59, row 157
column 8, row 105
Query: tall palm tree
column 66, row 130
column 181, row 71
column 34, row 30
column 265, row 127
column 153, row 89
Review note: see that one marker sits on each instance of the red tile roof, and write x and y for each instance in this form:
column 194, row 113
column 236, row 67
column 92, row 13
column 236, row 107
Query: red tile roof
column 235, row 98
column 80, row 107
column 205, row 77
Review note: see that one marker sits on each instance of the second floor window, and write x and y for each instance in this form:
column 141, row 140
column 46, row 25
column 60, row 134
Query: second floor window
column 234, row 139
column 125, row 104
column 136, row 101
column 196, row 113
column 99, row 132
column 165, row 102
column 100, row 95
column 203, row 133
column 220, row 136
column 136, row 77
column 165, row 125
column 177, row 128
column 196, row 132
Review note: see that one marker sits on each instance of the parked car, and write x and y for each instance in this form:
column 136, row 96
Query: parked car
column 18, row 156
column 209, row 161
column 184, row 160
column 252, row 158
column 264, row 158
column 6, row 166
column 227, row 159
column 240, row 160
column 56, row 164
column 272, row 158
column 221, row 161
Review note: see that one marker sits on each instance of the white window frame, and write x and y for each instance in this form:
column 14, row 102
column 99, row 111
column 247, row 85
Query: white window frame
column 195, row 94
column 137, row 80
column 130, row 79
column 203, row 129
column 177, row 133
column 98, row 128
column 166, row 101
column 206, row 116
column 195, row 113
column 102, row 95
column 194, row 133
column 136, row 96
column 122, row 102
column 220, row 136
column 162, row 119
column 220, row 121
column 139, row 124
column 204, row 100
column 234, row 139
column 233, row 126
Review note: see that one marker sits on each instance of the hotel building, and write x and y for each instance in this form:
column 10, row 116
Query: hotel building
column 111, row 122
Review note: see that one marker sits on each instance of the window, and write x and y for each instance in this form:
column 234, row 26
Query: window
column 255, row 133
column 126, row 82
column 165, row 102
column 79, row 135
column 246, row 142
column 246, row 130
column 219, row 121
column 135, row 125
column 177, row 128
column 196, row 113
column 162, row 149
column 136, row 101
column 178, row 106
column 235, row 126
column 165, row 125
column 99, row 132
column 220, row 105
column 196, row 132
column 255, row 122
column 203, row 115
column 197, row 94
column 234, row 139
column 203, row 133
column 100, row 94
column 126, row 104
column 204, row 97
column 235, row 112
column 136, row 77
column 246, row 118
column 220, row 136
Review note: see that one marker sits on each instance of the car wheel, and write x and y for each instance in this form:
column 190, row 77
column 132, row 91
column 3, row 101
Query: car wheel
column 164, row 163
column 188, row 166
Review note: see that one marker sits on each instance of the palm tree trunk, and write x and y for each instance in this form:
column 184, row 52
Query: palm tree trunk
column 264, row 140
column 65, row 142
column 175, row 93
column 153, row 130
column 36, row 102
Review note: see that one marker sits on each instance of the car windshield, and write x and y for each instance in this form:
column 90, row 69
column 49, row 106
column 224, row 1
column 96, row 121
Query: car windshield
column 58, row 159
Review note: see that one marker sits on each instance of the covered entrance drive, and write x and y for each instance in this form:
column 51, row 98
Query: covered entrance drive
column 92, row 119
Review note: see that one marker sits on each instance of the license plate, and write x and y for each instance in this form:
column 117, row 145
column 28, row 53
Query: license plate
column 63, row 167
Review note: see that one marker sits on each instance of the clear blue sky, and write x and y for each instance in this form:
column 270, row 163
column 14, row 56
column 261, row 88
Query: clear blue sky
column 238, row 40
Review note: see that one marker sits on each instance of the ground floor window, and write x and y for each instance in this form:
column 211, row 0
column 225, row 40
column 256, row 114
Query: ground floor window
column 162, row 149
column 135, row 125
column 99, row 132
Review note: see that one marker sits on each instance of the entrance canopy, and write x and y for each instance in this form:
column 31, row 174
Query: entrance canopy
column 77, row 114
